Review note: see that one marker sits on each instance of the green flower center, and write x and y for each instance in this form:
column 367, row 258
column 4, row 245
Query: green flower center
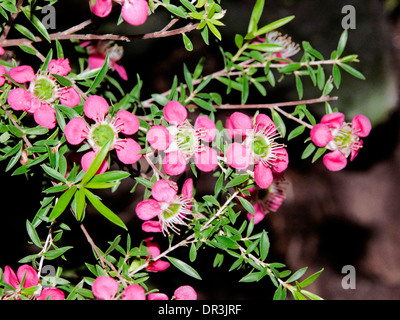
column 44, row 89
column 260, row 146
column 102, row 134
column 186, row 140
column 171, row 211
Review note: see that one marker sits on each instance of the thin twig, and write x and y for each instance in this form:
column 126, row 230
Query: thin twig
column 7, row 28
column 15, row 123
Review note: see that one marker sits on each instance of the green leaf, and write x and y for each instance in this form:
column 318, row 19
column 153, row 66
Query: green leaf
column 274, row 25
column 266, row 47
column 110, row 176
column 53, row 254
column 62, row 203
column 106, row 212
column 280, row 125
column 352, row 71
column 33, row 234
column 186, row 41
column 237, row 180
column 36, row 22
column 62, row 80
column 188, row 78
column 255, row 16
column 296, row 132
column 204, row 104
column 299, row 87
column 342, row 43
column 264, row 245
column 336, row 76
column 25, row 31
column 311, row 295
column 310, row 279
column 246, row 205
column 239, row 40
column 214, row 30
column 53, row 173
column 184, row 267
column 178, row 11
column 226, row 242
column 298, row 274
column 28, row 50
column 102, row 73
column 308, row 150
column 97, row 161
column 211, row 199
column 318, row 154
column 80, row 203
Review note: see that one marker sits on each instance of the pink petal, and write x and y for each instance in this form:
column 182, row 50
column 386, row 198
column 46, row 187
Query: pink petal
column 22, row 74
column 335, row 161
column 2, row 78
column 20, row 99
column 174, row 163
column 135, row 12
column 158, row 266
column 76, row 131
column 152, row 247
column 2, row 51
column 151, row 226
column 263, row 176
column 361, row 125
column 53, row 293
column 260, row 214
column 96, row 108
column 206, row 160
column 157, row 296
column 134, row 292
column 148, row 209
column 238, row 156
column 96, row 61
column 240, row 123
column 281, row 163
column 31, row 276
column 187, row 188
column 333, row 120
column 263, row 122
column 69, row 97
column 185, row 293
column 101, row 8
column 128, row 151
column 105, row 288
column 159, row 137
column 175, row 113
column 121, row 71
column 163, row 191
column 87, row 160
column 208, row 126
column 126, row 122
column 45, row 116
column 321, row 135
column 10, row 277
column 59, row 66
column 356, row 150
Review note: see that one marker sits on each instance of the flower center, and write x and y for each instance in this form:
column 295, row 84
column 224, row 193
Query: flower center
column 174, row 213
column 260, row 146
column 45, row 89
column 102, row 134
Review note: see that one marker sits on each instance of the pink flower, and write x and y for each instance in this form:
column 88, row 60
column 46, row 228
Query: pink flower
column 134, row 12
column 181, row 141
column 170, row 208
column 134, row 292
column 157, row 296
column 30, row 274
column 257, row 146
column 2, row 51
column 154, row 250
column 105, row 127
column 53, row 293
column 105, row 288
column 2, row 77
column 341, row 138
column 185, row 293
column 267, row 200
column 97, row 56
column 41, row 91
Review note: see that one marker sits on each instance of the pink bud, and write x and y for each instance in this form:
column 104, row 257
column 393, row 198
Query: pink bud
column 101, row 8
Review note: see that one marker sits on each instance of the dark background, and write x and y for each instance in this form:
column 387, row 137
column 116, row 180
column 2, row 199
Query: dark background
column 328, row 220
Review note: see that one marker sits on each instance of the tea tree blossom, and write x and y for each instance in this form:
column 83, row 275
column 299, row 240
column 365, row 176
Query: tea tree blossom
column 154, row 250
column 256, row 147
column 134, row 12
column 104, row 128
column 181, row 141
column 25, row 272
column 170, row 208
column 52, row 293
column 342, row 138
column 41, row 90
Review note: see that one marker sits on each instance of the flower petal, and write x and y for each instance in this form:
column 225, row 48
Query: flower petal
column 163, row 191
column 96, row 60
column 321, row 135
column 361, row 125
column 158, row 266
column 151, row 226
column 126, row 122
column 87, row 160
column 45, row 116
column 208, row 127
column 281, row 162
column 69, row 97
column 263, row 176
column 174, row 112
column 157, row 296
column 263, row 122
column 31, row 276
column 60, row 67
column 10, row 277
column 174, row 163
column 206, row 160
column 240, row 123
column 187, row 188
column 53, row 293
column 238, row 156
column 356, row 149
column 105, row 288
column 333, row 120
column 185, row 293
column 20, row 99
column 76, row 131
column 159, row 137
column 121, row 71
column 22, row 74
column 334, row 161
column 128, row 151
column 96, row 108
column 135, row 12
column 134, row 292
column 260, row 214
column 101, row 8
column 148, row 209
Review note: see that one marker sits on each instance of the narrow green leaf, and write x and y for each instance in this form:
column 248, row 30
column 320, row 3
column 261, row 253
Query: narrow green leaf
column 186, row 41
column 342, row 43
column 296, row 132
column 308, row 150
column 53, row 173
column 80, row 203
column 237, row 180
column 53, row 254
column 298, row 274
column 310, row 279
column 62, row 203
column 318, row 154
column 274, row 25
column 110, row 176
column 264, row 245
column 25, row 31
column 97, row 161
column 188, row 77
column 280, row 125
column 102, row 73
column 256, row 15
column 246, row 205
column 352, row 71
column 227, row 242
column 178, row 11
column 28, row 50
column 184, row 267
column 214, row 30
column 33, row 234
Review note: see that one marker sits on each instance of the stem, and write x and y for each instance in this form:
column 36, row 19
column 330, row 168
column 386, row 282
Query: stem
column 15, row 123
column 289, row 116
column 11, row 21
